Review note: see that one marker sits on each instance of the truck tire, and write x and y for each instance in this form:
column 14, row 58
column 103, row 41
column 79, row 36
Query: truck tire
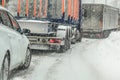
column 73, row 41
column 5, row 68
column 80, row 36
column 62, row 48
column 74, row 33
column 27, row 60
column 106, row 34
column 68, row 44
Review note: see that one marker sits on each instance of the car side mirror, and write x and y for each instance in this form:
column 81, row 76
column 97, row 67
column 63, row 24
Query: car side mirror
column 26, row 30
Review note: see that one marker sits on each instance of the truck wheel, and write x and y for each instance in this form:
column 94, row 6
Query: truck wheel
column 105, row 34
column 5, row 68
column 73, row 41
column 63, row 48
column 80, row 36
column 27, row 60
column 69, row 44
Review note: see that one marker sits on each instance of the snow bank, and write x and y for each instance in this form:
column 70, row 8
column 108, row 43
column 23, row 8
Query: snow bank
column 104, row 56
column 91, row 60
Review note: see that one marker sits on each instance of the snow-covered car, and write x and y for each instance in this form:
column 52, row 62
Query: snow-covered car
column 14, row 45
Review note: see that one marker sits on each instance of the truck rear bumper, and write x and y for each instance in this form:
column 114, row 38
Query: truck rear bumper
column 45, row 43
column 39, row 47
column 44, row 47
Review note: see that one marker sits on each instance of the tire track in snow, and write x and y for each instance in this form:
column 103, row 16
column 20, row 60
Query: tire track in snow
column 52, row 68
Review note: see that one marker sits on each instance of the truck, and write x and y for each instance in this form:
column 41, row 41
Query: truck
column 56, row 28
column 99, row 20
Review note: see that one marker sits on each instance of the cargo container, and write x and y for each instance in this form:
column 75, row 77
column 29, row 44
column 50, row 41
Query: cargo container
column 99, row 20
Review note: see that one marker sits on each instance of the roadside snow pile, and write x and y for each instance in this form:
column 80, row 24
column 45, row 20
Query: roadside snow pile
column 104, row 56
column 72, row 68
column 91, row 60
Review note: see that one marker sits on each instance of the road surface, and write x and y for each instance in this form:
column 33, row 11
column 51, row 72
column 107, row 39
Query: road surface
column 89, row 60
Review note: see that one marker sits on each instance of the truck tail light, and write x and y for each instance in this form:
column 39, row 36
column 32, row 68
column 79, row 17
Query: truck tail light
column 58, row 41
column 51, row 40
column 54, row 41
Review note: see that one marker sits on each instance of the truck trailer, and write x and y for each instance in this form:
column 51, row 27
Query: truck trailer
column 58, row 26
column 99, row 20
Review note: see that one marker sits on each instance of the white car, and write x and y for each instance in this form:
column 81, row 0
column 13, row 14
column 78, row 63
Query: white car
column 14, row 45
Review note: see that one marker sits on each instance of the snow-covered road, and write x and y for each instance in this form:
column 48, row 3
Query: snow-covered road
column 90, row 60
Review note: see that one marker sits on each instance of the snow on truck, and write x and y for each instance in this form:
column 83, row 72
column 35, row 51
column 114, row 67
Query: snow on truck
column 99, row 20
column 57, row 25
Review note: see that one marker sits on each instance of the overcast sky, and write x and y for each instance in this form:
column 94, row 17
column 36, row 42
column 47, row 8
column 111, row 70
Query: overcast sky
column 115, row 3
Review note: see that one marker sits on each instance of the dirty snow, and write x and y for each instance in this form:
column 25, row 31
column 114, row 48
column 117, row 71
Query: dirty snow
column 89, row 60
